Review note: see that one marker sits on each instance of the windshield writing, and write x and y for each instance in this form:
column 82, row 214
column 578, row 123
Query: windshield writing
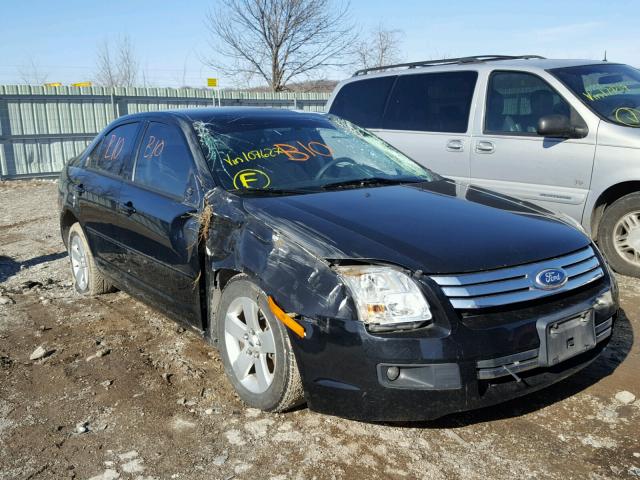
column 611, row 90
column 306, row 153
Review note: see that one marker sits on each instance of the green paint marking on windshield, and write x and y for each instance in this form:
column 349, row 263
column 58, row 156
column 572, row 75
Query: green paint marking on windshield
column 628, row 116
column 604, row 92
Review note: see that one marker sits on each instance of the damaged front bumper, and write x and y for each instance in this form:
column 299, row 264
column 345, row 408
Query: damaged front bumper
column 482, row 360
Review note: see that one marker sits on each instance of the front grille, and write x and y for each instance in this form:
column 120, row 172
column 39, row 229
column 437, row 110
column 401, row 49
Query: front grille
column 505, row 286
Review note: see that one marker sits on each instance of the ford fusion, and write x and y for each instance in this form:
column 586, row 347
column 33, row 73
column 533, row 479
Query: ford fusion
column 328, row 268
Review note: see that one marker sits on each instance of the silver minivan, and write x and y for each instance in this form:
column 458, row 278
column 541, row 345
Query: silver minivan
column 562, row 133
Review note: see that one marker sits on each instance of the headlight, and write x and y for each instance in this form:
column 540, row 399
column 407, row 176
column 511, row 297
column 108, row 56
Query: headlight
column 384, row 295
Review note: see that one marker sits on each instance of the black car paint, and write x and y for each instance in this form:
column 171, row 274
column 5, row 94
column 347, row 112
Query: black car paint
column 288, row 246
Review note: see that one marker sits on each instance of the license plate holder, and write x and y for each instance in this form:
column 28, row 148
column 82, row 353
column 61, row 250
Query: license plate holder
column 566, row 338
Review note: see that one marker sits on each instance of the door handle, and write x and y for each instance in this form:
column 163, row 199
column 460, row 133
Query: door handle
column 455, row 146
column 484, row 146
column 127, row 208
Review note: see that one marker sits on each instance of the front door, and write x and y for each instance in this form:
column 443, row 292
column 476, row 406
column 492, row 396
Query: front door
column 158, row 223
column 510, row 157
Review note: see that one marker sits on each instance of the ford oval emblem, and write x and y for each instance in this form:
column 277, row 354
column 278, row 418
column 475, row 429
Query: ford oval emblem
column 551, row 278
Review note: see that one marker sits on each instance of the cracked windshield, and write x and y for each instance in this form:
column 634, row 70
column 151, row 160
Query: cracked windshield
column 302, row 155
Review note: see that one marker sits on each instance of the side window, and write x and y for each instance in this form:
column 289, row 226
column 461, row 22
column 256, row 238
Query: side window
column 115, row 149
column 431, row 102
column 164, row 160
column 516, row 101
column 362, row 102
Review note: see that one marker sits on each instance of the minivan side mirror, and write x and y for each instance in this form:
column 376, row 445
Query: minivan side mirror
column 560, row 126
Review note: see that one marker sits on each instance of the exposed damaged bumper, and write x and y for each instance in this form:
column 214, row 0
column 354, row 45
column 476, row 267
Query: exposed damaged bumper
column 421, row 375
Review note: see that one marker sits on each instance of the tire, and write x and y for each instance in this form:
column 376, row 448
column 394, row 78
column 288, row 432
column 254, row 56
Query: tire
column 89, row 281
column 619, row 233
column 272, row 381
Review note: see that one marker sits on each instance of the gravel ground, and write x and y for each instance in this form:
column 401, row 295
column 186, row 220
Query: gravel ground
column 123, row 392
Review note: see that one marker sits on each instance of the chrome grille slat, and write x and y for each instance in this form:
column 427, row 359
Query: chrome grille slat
column 517, row 284
column 486, row 288
column 513, row 272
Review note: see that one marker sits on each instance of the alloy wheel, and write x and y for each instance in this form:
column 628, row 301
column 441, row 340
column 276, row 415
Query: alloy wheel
column 250, row 345
column 79, row 264
column 626, row 237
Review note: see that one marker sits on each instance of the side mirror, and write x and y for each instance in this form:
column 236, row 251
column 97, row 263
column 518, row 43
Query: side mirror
column 560, row 126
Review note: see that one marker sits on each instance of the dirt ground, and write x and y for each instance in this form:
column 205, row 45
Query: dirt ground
column 127, row 393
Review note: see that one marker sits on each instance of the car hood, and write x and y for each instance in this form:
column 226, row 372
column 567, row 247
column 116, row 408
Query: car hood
column 437, row 227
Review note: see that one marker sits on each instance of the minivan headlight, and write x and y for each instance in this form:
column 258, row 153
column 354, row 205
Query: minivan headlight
column 384, row 295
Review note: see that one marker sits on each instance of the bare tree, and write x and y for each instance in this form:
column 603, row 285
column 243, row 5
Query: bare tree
column 31, row 73
column 279, row 40
column 381, row 47
column 117, row 68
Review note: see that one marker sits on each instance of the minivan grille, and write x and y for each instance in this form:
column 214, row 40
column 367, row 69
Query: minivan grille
column 517, row 284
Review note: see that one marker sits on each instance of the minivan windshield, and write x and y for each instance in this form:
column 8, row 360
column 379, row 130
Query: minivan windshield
column 611, row 90
column 290, row 154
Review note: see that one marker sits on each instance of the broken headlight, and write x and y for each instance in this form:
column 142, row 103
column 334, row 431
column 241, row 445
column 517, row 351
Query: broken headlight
column 384, row 295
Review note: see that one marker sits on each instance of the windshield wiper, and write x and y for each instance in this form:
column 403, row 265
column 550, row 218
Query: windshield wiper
column 371, row 181
column 270, row 191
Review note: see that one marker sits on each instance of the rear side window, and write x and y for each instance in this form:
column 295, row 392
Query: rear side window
column 362, row 102
column 517, row 100
column 115, row 149
column 164, row 160
column 431, row 102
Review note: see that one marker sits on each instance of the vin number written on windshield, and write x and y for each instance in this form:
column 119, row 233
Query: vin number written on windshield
column 298, row 152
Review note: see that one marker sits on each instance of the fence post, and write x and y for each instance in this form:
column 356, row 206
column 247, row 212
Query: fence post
column 5, row 133
column 114, row 106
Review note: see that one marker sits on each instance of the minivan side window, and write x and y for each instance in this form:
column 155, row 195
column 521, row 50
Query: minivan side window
column 164, row 160
column 517, row 100
column 431, row 102
column 115, row 149
column 362, row 102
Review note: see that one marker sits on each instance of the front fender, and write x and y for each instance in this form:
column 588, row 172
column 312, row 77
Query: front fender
column 300, row 281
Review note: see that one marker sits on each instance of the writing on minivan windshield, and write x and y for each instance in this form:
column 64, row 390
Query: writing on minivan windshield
column 628, row 116
column 603, row 92
column 301, row 154
column 611, row 90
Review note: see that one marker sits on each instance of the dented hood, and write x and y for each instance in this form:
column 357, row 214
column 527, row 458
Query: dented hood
column 436, row 227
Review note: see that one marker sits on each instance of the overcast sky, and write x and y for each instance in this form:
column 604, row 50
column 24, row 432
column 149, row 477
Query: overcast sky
column 170, row 37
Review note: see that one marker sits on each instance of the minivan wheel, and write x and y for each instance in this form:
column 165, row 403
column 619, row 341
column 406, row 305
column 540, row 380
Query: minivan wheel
column 255, row 349
column 619, row 235
column 87, row 280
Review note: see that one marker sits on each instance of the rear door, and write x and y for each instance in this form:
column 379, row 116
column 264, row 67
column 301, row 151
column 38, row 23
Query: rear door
column 510, row 157
column 96, row 191
column 158, row 223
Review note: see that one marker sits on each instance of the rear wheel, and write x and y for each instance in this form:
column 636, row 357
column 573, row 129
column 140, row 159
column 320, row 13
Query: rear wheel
column 619, row 235
column 255, row 348
column 87, row 280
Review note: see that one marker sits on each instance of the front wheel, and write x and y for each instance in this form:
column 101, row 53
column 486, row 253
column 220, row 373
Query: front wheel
column 619, row 235
column 255, row 349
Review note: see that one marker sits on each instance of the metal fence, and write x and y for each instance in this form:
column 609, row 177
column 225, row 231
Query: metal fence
column 42, row 127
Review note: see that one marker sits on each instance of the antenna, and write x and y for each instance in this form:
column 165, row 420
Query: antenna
column 605, row 56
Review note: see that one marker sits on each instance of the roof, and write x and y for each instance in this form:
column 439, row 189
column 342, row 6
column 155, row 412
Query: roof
column 526, row 62
column 226, row 114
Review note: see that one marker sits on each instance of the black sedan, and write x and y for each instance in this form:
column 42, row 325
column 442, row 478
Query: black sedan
column 328, row 267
